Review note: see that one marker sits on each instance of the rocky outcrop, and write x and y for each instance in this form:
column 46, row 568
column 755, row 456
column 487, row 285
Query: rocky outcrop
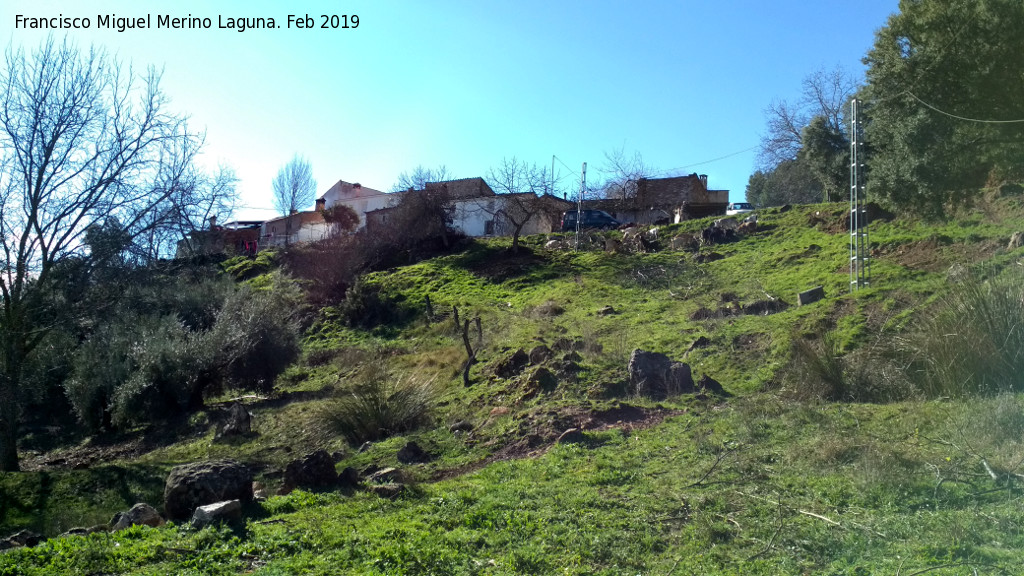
column 237, row 422
column 193, row 485
column 655, row 376
column 412, row 453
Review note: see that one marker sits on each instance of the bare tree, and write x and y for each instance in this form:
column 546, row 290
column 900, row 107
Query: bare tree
column 520, row 187
column 84, row 142
column 419, row 177
column 622, row 172
column 294, row 186
column 294, row 189
column 824, row 93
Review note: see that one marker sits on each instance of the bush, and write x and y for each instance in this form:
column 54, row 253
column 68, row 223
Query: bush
column 256, row 335
column 381, row 406
column 135, row 369
column 365, row 307
column 972, row 342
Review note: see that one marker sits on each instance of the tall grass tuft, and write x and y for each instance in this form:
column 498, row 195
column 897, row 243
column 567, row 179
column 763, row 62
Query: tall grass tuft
column 380, row 405
column 973, row 342
column 816, row 370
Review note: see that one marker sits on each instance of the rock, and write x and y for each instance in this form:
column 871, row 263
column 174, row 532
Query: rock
column 461, row 426
column 1016, row 241
column 77, row 531
column 386, row 476
column 237, row 423
column 540, row 354
column 365, row 446
column 543, row 379
column 142, row 513
column 701, row 342
column 24, row 538
column 389, row 491
column 225, row 511
column 412, row 453
column 499, row 411
column 707, row 257
column 764, row 307
column 512, row 365
column 785, row 208
column 703, row 313
column 709, row 384
column 572, row 357
column 606, row 311
column 259, row 491
column 193, row 485
column 571, row 436
column 655, row 376
column 810, row 296
column 349, row 477
column 314, row 470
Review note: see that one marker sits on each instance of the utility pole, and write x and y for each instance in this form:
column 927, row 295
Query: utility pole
column 579, row 204
column 860, row 245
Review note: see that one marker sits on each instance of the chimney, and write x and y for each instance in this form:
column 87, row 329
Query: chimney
column 704, row 180
column 213, row 222
column 321, row 204
column 293, row 212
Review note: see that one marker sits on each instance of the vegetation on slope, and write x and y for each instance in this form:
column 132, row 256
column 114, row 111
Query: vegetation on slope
column 780, row 478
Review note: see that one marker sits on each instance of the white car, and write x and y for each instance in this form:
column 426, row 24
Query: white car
column 739, row 208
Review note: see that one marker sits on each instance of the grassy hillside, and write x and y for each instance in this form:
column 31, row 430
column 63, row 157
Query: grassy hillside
column 775, row 477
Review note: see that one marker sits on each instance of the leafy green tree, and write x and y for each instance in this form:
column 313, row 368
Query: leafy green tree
column 944, row 81
column 791, row 182
column 825, row 151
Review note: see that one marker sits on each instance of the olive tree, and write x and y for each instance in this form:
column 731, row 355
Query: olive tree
column 84, row 140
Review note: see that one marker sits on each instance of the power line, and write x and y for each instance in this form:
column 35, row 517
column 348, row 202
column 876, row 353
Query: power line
column 670, row 170
column 912, row 95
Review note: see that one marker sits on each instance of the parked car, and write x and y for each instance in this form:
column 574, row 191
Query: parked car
column 739, row 208
column 590, row 219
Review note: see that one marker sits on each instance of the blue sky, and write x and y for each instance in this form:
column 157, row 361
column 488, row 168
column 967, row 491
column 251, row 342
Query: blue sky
column 466, row 84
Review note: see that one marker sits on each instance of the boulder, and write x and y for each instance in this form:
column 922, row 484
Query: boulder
column 314, row 470
column 700, row 342
column 142, row 513
column 540, row 354
column 236, row 423
column 542, row 379
column 606, row 311
column 349, row 477
column 225, row 511
column 193, row 485
column 513, row 365
column 412, row 453
column 655, row 376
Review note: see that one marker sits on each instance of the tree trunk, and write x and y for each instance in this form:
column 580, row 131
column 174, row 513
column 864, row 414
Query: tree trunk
column 8, row 426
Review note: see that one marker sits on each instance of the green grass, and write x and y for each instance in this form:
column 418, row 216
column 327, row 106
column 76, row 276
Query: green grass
column 761, row 483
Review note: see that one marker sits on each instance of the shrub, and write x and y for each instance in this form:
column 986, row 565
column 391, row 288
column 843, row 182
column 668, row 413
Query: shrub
column 256, row 335
column 381, row 405
column 366, row 307
column 972, row 342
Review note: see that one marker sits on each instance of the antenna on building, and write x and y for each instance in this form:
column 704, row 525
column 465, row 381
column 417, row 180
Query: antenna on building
column 860, row 246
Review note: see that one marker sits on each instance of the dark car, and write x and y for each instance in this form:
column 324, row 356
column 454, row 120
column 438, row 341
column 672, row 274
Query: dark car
column 589, row 219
